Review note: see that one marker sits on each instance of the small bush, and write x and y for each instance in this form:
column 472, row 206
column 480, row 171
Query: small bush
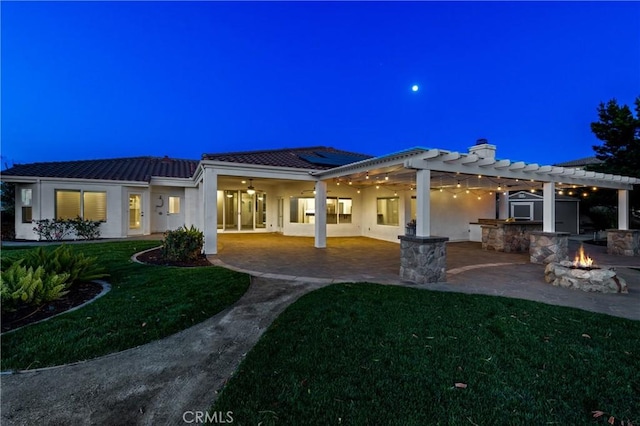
column 62, row 260
column 52, row 229
column 182, row 244
column 58, row 229
column 20, row 284
column 85, row 229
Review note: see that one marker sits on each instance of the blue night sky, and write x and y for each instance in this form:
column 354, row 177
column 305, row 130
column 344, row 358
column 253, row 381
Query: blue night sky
column 83, row 80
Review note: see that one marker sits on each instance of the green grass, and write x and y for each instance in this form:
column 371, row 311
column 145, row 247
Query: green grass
column 371, row 354
column 145, row 303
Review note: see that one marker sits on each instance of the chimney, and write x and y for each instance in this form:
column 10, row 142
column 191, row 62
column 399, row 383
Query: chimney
column 483, row 149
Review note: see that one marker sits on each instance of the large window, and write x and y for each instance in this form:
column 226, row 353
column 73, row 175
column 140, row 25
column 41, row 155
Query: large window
column 387, row 210
column 303, row 210
column 88, row 205
column 27, row 206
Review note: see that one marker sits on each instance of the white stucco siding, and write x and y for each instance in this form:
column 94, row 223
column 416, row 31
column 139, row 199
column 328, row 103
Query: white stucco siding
column 162, row 219
column 450, row 217
column 44, row 206
column 192, row 207
column 369, row 215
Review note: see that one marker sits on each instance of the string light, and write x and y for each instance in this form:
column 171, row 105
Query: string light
column 386, row 177
column 458, row 185
column 367, row 176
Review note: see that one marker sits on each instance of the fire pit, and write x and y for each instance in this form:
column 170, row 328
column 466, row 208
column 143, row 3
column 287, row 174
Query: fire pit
column 583, row 274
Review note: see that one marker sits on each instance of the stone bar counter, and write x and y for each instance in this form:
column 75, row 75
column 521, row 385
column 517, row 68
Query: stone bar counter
column 500, row 235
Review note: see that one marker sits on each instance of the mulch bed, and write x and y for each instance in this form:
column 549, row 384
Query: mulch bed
column 26, row 315
column 154, row 257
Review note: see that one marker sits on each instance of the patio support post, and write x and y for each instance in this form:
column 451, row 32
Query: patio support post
column 210, row 197
column 623, row 241
column 503, row 205
column 623, row 209
column 549, row 207
column 321, row 215
column 423, row 203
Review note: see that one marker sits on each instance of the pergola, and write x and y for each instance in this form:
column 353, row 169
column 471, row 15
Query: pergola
column 423, row 170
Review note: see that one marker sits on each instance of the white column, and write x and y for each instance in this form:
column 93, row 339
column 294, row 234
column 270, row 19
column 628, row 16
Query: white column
column 321, row 215
column 623, row 209
column 503, row 205
column 210, row 197
column 423, row 203
column 549, row 207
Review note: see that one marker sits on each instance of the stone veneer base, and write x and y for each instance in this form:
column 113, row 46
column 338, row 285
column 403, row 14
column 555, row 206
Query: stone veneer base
column 423, row 259
column 623, row 242
column 548, row 247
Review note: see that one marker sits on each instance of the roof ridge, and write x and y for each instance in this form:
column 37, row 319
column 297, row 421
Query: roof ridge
column 139, row 157
column 262, row 151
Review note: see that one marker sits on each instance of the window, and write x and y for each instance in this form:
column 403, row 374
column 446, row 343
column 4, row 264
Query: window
column 67, row 204
column 387, row 210
column 303, row 210
column 27, row 206
column 174, row 205
column 522, row 210
column 95, row 206
column 88, row 205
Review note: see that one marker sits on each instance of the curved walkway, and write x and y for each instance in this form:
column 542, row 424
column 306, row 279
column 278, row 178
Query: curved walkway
column 158, row 382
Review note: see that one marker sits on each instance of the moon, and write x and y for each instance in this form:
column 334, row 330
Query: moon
column 415, row 88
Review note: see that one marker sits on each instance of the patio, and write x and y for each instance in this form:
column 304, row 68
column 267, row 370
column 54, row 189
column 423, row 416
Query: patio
column 469, row 268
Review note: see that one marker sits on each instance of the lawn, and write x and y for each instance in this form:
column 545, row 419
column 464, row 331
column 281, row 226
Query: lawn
column 372, row 354
column 145, row 303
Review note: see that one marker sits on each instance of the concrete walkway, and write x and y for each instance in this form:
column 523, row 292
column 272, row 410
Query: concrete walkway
column 158, row 382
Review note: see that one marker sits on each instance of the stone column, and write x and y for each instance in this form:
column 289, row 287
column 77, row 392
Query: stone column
column 423, row 259
column 624, row 242
column 548, row 247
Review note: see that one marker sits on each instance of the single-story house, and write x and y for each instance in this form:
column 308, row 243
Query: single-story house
column 315, row 191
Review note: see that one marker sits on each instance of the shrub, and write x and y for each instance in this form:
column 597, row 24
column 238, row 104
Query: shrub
column 20, row 284
column 182, row 244
column 85, row 229
column 63, row 260
column 52, row 229
column 56, row 230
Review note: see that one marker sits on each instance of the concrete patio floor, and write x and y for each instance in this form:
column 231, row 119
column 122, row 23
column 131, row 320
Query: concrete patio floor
column 470, row 269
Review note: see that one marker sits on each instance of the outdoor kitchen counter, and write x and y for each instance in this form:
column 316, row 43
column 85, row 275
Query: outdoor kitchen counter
column 500, row 235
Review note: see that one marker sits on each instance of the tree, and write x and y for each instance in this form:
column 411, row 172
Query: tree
column 620, row 131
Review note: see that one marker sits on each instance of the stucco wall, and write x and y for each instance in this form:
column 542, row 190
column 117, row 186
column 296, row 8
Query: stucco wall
column 161, row 219
column 450, row 217
column 44, row 207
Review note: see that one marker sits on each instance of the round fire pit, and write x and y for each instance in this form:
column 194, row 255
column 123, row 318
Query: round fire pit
column 603, row 280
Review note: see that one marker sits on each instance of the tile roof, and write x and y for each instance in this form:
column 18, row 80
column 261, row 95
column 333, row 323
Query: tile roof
column 139, row 169
column 318, row 157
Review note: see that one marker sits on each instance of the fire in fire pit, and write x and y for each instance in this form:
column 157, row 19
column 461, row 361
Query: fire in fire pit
column 583, row 261
column 583, row 274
